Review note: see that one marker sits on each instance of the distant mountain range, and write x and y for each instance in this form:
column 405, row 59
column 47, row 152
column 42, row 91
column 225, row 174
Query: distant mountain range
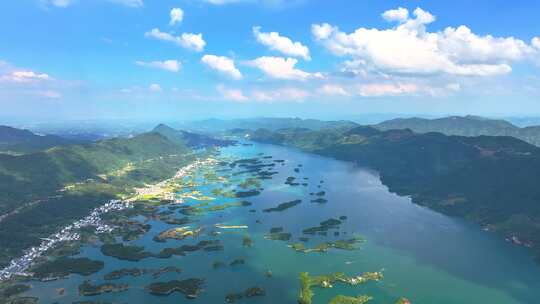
column 239, row 126
column 23, row 141
column 492, row 180
column 464, row 126
column 192, row 140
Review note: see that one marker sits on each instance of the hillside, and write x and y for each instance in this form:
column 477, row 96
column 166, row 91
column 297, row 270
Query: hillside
column 46, row 190
column 190, row 139
column 464, row 126
column 486, row 179
column 18, row 141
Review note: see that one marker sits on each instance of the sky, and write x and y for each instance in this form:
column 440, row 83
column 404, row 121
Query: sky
column 192, row 59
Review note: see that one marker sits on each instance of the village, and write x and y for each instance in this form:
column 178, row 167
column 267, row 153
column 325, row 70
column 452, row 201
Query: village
column 69, row 233
column 20, row 266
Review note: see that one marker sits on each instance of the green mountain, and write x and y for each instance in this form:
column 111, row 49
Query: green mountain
column 40, row 192
column 464, row 126
column 192, row 140
column 487, row 179
column 18, row 141
column 29, row 176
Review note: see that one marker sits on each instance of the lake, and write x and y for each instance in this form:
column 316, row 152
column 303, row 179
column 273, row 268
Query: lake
column 425, row 256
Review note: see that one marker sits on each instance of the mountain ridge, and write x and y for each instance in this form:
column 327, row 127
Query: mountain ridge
column 464, row 126
column 43, row 191
column 490, row 180
column 24, row 141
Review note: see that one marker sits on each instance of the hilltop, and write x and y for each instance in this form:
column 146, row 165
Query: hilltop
column 464, row 126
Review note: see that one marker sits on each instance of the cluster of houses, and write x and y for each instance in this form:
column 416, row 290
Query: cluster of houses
column 20, row 266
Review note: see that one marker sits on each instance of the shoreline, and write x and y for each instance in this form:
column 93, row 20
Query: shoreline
column 19, row 266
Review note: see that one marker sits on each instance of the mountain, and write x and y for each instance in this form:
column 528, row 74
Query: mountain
column 23, row 141
column 40, row 192
column 491, row 180
column 252, row 124
column 192, row 140
column 464, row 126
column 29, row 176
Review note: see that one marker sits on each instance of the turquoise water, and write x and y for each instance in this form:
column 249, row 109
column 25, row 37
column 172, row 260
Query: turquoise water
column 425, row 256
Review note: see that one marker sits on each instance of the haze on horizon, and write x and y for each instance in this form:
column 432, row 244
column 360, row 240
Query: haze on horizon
column 189, row 59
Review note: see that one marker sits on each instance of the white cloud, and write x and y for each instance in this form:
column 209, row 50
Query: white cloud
column 154, row 87
column 280, row 95
column 400, row 14
column 24, row 82
column 536, row 42
column 404, row 88
column 409, row 49
column 168, row 65
column 222, row 64
column 177, row 15
column 333, row 89
column 24, row 76
column 322, row 31
column 274, row 41
column 285, row 94
column 386, row 89
column 282, row 68
column 129, row 3
column 190, row 41
column 231, row 94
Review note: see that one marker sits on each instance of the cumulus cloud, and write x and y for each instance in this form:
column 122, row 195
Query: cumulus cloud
column 189, row 41
column 167, row 65
column 322, row 31
column 274, row 41
column 282, row 68
column 408, row 48
column 536, row 43
column 223, row 65
column 399, row 14
column 25, row 82
column 231, row 94
column 177, row 15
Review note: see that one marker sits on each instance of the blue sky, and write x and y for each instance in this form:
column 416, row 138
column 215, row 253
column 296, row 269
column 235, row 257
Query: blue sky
column 189, row 59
